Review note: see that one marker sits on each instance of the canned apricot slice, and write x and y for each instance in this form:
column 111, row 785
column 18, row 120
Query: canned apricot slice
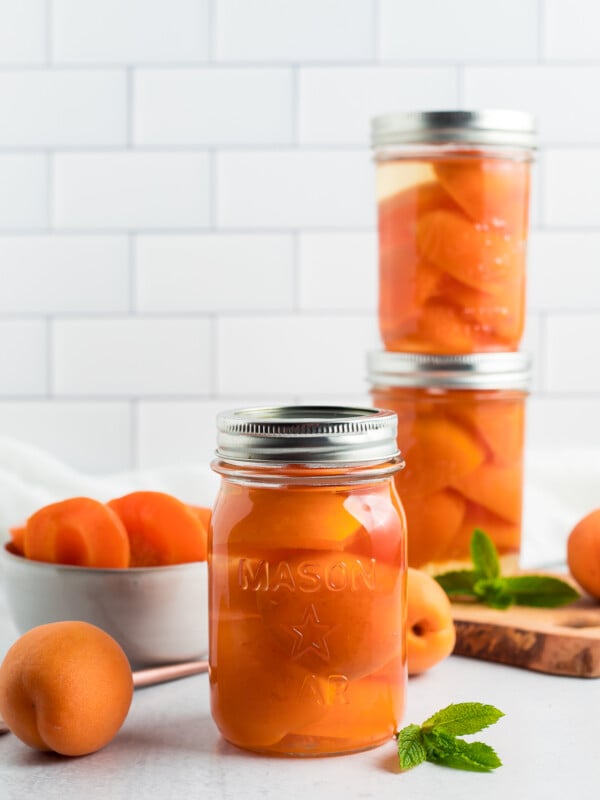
column 443, row 327
column 442, row 453
column 354, row 708
column 257, row 693
column 399, row 213
column 406, row 282
column 482, row 258
column 491, row 191
column 432, row 525
column 498, row 425
column 505, row 535
column 496, row 488
column 334, row 614
column 498, row 315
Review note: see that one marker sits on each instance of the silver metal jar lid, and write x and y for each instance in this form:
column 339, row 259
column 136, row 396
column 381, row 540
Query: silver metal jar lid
column 473, row 371
column 307, row 435
column 501, row 127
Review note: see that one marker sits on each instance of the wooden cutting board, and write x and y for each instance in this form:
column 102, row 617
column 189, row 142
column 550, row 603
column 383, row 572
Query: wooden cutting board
column 560, row 641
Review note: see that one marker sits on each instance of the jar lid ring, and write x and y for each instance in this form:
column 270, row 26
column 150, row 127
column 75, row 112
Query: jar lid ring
column 307, row 435
column 490, row 127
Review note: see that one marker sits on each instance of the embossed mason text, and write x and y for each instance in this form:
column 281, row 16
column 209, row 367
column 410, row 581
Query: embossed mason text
column 260, row 575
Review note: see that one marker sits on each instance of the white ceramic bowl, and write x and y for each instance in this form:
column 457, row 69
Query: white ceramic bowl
column 157, row 614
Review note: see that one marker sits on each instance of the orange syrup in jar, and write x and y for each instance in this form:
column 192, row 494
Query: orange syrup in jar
column 453, row 203
column 307, row 574
column 461, row 429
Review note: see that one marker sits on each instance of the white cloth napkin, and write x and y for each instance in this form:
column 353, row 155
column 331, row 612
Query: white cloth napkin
column 560, row 488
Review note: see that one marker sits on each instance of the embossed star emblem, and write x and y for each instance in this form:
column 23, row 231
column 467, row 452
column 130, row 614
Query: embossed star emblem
column 310, row 636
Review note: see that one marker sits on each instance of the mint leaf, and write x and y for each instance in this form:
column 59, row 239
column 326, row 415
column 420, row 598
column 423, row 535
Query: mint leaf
column 541, row 591
column 481, row 756
column 411, row 750
column 440, row 744
column 460, row 719
column 471, row 756
column 436, row 739
column 486, row 584
column 484, row 555
column 493, row 592
column 457, row 582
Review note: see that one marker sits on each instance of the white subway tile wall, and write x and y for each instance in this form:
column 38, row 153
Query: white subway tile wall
column 129, row 31
column 548, row 91
column 212, row 272
column 62, row 108
column 338, row 271
column 24, row 190
column 130, row 190
column 335, row 105
column 289, row 354
column 131, row 356
column 23, row 31
column 213, row 106
column 462, row 30
column 187, row 206
column 54, row 274
column 294, row 189
column 295, row 30
column 23, row 363
column 95, row 436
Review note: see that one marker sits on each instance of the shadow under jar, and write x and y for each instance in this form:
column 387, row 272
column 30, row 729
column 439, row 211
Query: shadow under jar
column 461, row 429
column 307, row 581
column 453, row 201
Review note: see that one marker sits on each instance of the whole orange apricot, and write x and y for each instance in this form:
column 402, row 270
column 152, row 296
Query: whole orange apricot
column 583, row 553
column 66, row 687
column 431, row 634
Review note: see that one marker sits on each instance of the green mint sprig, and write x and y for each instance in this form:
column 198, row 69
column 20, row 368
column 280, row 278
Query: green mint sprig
column 437, row 739
column 485, row 584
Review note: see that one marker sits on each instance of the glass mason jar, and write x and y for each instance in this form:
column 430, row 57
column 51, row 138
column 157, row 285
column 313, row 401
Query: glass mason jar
column 453, row 201
column 461, row 430
column 307, row 580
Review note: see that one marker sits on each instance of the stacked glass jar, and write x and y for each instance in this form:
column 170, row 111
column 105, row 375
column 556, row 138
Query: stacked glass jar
column 453, row 200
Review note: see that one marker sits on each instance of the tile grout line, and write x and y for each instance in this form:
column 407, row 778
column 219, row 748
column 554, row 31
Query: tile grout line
column 542, row 353
column 592, row 395
column 540, row 176
column 297, row 278
column 214, row 357
column 355, row 148
column 541, row 31
column 132, row 272
column 460, row 85
column 49, row 358
column 48, row 37
column 129, row 110
column 49, row 192
column 306, row 63
column 212, row 32
column 212, row 191
column 376, row 22
column 295, row 105
column 185, row 315
column 134, row 437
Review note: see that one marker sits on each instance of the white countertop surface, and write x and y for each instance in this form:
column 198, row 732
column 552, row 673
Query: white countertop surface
column 170, row 748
